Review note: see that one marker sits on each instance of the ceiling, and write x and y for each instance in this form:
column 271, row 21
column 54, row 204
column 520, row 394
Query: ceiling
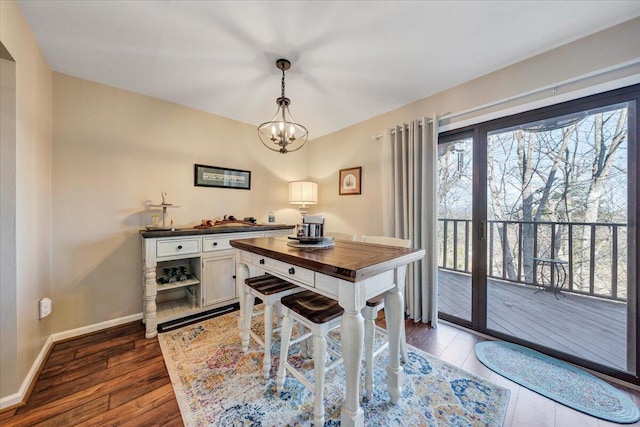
column 351, row 60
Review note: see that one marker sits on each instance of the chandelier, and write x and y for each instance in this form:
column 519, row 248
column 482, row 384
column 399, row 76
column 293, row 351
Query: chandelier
column 282, row 133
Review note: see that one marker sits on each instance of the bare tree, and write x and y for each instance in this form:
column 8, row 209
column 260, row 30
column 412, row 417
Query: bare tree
column 552, row 181
column 542, row 177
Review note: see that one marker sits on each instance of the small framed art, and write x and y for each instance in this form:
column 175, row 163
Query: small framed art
column 214, row 176
column 350, row 181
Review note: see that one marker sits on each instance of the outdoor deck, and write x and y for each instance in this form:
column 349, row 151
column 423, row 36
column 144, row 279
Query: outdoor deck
column 591, row 328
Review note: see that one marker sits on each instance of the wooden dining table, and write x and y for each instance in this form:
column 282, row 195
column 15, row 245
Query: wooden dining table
column 349, row 272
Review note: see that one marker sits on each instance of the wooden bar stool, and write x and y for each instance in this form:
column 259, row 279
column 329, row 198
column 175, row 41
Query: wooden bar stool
column 370, row 313
column 318, row 314
column 270, row 290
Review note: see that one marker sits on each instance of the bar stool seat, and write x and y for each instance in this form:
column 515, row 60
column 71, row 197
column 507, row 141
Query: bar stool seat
column 270, row 290
column 318, row 314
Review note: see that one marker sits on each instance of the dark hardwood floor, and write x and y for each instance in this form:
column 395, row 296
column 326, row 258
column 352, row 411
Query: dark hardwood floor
column 118, row 377
column 113, row 377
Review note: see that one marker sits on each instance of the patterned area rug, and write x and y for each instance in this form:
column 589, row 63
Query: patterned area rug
column 558, row 380
column 217, row 384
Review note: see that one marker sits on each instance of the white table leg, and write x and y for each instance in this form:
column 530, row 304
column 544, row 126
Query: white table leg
column 352, row 330
column 369, row 314
column 242, row 272
column 394, row 304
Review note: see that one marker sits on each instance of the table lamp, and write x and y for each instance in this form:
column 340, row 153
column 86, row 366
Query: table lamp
column 303, row 193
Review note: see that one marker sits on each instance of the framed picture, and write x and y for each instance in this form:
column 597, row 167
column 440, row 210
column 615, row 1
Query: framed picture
column 214, row 176
column 350, row 181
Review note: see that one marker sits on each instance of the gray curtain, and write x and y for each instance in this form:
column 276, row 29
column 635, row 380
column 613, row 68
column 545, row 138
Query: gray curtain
column 411, row 209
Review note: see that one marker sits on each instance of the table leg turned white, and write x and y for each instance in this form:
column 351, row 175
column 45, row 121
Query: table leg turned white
column 394, row 308
column 352, row 331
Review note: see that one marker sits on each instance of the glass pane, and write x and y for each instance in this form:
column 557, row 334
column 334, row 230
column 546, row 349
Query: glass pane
column 557, row 234
column 455, row 174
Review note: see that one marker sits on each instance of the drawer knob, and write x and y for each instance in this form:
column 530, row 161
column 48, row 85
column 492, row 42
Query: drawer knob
column 262, row 261
column 234, row 276
column 179, row 246
column 215, row 243
column 292, row 270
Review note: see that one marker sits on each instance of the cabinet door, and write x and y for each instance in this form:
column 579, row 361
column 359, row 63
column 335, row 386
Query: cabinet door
column 218, row 278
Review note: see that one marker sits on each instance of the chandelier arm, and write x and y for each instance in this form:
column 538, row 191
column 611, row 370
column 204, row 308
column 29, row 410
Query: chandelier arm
column 295, row 149
column 265, row 144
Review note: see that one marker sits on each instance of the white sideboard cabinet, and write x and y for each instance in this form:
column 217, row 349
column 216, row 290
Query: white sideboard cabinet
column 188, row 271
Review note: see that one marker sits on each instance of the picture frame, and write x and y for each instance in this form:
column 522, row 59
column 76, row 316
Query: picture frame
column 350, row 181
column 215, row 176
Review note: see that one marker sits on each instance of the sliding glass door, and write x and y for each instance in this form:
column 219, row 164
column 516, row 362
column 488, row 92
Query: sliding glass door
column 557, row 207
column 455, row 180
column 553, row 232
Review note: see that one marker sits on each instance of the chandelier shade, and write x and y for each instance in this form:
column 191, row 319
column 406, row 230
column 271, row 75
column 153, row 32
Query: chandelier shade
column 282, row 133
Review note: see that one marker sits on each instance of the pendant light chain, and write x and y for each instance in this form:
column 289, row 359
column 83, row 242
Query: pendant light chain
column 282, row 82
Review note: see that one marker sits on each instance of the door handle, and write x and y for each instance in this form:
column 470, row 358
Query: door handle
column 482, row 230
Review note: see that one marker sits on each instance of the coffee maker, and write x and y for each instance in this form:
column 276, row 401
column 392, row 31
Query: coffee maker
column 311, row 227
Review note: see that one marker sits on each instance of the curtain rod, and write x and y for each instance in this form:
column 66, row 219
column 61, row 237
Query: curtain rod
column 554, row 87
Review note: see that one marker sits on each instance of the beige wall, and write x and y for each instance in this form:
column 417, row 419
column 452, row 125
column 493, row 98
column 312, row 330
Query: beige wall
column 355, row 145
column 114, row 152
column 32, row 201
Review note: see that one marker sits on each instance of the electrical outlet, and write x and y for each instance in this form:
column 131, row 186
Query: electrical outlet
column 46, row 307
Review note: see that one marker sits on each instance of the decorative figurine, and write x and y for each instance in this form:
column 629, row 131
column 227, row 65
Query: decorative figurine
column 164, row 205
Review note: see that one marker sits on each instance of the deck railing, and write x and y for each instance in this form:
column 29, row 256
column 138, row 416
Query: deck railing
column 595, row 253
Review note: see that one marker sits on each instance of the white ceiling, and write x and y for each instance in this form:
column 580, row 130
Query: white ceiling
column 351, row 60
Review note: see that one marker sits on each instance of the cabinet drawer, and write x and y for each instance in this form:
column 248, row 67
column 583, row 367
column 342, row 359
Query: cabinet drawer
column 285, row 270
column 177, row 247
column 215, row 244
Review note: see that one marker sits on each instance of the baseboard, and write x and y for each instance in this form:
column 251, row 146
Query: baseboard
column 59, row 336
column 20, row 398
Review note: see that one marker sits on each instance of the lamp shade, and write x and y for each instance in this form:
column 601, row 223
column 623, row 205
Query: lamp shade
column 303, row 193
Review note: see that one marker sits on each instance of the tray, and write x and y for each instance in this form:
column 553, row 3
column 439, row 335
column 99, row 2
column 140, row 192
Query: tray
column 325, row 244
column 158, row 228
column 309, row 240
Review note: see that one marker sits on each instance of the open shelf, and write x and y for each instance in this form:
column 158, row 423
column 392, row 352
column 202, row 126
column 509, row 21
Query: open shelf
column 168, row 286
column 192, row 269
column 175, row 309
